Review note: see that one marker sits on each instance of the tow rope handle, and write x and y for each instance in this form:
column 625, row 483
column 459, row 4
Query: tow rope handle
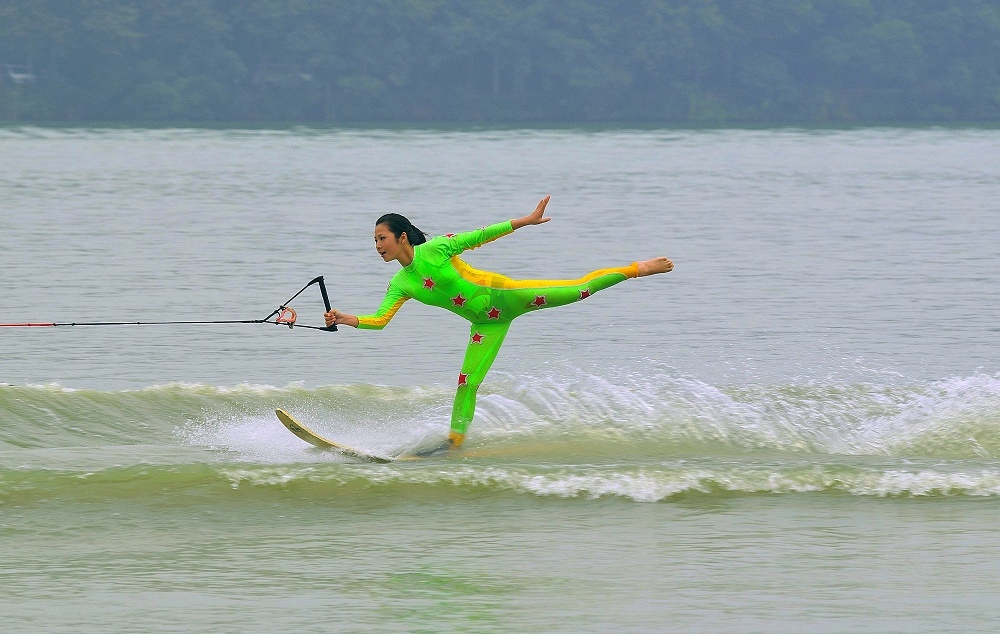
column 326, row 301
column 285, row 314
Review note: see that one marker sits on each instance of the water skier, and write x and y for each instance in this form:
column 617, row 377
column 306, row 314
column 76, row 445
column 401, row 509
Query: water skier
column 433, row 274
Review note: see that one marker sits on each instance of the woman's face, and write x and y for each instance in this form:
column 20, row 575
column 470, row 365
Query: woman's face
column 387, row 245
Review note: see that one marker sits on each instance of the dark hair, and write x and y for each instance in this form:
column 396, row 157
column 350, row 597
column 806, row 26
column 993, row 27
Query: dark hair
column 399, row 225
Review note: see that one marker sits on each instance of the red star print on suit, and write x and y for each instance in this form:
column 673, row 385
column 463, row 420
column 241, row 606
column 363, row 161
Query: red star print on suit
column 584, row 294
column 539, row 301
column 458, row 300
column 463, row 379
column 477, row 338
column 428, row 283
column 494, row 313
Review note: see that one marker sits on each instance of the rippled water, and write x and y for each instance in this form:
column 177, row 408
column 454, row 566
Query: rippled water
column 797, row 429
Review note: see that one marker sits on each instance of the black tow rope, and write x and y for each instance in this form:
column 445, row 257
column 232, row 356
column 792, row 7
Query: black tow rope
column 283, row 315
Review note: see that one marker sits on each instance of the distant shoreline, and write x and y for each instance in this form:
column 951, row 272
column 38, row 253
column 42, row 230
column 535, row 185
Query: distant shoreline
column 677, row 63
column 477, row 127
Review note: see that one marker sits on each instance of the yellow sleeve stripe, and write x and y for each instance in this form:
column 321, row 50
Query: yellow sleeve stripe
column 377, row 322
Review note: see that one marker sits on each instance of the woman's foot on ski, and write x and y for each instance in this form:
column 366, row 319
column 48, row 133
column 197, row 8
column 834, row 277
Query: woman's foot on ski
column 656, row 265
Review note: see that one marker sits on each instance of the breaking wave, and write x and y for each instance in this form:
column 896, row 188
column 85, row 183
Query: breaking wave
column 568, row 435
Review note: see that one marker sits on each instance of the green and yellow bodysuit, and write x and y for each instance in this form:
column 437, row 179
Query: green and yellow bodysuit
column 437, row 276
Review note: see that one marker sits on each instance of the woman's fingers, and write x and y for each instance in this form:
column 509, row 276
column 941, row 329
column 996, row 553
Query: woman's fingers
column 540, row 211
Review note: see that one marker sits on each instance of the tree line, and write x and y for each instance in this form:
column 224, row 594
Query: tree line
column 500, row 61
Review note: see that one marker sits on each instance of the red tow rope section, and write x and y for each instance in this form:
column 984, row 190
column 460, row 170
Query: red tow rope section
column 284, row 315
column 23, row 325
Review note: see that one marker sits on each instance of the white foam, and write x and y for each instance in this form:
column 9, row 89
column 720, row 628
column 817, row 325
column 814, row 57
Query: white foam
column 959, row 415
column 648, row 484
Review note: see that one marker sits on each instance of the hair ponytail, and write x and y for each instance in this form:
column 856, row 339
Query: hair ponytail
column 399, row 225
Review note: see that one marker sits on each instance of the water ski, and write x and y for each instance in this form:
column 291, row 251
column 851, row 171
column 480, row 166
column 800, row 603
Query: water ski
column 316, row 440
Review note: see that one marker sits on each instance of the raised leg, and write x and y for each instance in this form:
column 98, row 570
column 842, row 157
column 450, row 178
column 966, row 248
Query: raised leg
column 536, row 294
column 654, row 266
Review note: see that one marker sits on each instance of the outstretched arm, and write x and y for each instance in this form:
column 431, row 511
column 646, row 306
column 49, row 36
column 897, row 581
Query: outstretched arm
column 472, row 239
column 534, row 218
column 394, row 298
column 339, row 318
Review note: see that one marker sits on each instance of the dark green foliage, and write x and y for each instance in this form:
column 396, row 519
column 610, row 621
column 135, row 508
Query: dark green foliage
column 497, row 61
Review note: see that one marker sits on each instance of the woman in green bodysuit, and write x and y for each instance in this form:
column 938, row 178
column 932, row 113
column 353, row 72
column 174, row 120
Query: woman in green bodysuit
column 433, row 274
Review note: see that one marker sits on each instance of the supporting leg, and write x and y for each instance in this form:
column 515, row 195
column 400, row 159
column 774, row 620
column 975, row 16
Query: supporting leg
column 484, row 344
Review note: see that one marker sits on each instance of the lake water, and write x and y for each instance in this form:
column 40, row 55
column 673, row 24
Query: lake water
column 795, row 430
